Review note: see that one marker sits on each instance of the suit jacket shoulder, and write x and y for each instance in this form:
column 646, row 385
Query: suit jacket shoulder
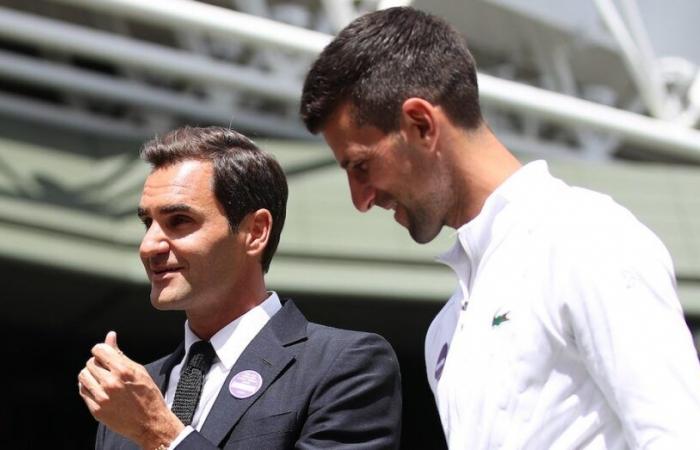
column 356, row 400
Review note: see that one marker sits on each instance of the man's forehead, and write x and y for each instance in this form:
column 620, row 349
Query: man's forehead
column 184, row 182
column 184, row 174
column 339, row 132
column 343, row 117
column 183, row 171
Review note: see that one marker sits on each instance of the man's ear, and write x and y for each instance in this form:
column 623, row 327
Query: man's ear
column 419, row 121
column 257, row 226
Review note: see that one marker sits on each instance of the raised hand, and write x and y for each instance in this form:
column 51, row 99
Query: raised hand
column 121, row 394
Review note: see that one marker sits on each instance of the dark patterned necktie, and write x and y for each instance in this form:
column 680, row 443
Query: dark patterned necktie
column 189, row 387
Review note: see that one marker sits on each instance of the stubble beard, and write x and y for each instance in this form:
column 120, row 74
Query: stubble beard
column 429, row 215
column 425, row 221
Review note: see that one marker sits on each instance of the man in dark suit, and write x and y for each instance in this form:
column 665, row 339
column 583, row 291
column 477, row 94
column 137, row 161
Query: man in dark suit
column 251, row 372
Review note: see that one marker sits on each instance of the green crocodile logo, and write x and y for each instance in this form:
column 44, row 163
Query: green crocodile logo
column 499, row 319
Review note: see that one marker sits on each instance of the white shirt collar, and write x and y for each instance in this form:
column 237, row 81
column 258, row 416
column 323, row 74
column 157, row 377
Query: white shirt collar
column 520, row 184
column 231, row 340
column 475, row 236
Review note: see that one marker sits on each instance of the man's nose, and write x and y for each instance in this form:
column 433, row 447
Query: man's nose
column 363, row 194
column 154, row 242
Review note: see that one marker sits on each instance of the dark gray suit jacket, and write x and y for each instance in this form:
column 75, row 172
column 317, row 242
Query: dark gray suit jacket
column 322, row 388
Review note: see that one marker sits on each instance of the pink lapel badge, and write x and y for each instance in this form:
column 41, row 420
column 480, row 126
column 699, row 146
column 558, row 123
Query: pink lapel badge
column 245, row 383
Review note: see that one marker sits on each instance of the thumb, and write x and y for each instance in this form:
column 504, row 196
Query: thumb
column 111, row 340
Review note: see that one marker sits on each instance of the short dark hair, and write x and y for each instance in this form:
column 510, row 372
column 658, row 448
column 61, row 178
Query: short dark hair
column 245, row 178
column 385, row 57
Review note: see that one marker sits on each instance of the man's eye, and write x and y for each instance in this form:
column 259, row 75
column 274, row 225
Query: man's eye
column 146, row 222
column 179, row 220
column 361, row 166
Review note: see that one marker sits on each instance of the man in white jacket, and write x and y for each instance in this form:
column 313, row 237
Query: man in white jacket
column 565, row 330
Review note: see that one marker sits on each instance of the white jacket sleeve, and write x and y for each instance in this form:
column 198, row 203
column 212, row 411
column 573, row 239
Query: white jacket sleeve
column 625, row 318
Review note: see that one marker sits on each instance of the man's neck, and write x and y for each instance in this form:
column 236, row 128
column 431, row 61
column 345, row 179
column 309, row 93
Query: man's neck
column 481, row 163
column 206, row 323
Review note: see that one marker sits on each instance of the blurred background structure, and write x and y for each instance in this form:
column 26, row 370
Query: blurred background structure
column 608, row 91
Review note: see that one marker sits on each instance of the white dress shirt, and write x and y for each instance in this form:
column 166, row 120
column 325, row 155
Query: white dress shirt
column 229, row 343
column 565, row 331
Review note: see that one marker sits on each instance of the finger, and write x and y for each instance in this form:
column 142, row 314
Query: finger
column 89, row 400
column 108, row 357
column 97, row 370
column 111, row 340
column 119, row 367
column 96, row 363
column 84, row 391
column 90, row 385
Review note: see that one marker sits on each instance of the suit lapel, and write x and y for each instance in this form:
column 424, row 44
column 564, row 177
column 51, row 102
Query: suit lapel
column 269, row 354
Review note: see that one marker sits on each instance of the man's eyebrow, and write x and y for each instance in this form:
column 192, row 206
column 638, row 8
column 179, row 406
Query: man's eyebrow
column 178, row 207
column 168, row 209
column 360, row 155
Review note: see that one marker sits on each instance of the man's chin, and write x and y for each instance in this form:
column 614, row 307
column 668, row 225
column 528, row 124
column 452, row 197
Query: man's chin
column 422, row 235
column 163, row 302
column 162, row 306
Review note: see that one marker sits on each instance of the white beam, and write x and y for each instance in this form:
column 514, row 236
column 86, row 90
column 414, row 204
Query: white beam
column 56, row 115
column 634, row 128
column 212, row 20
column 639, row 60
column 61, row 77
column 102, row 46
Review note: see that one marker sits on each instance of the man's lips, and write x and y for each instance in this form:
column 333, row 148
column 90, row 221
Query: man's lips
column 163, row 272
column 393, row 205
column 390, row 205
column 399, row 215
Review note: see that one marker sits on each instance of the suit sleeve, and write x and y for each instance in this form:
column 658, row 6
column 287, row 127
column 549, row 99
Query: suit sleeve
column 100, row 438
column 357, row 403
column 195, row 441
